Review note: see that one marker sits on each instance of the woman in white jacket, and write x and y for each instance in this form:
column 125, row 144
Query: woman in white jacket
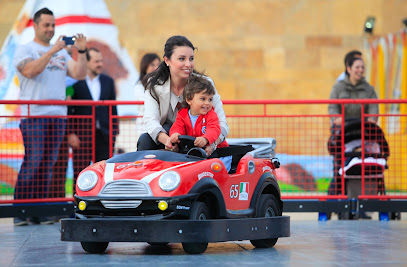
column 163, row 95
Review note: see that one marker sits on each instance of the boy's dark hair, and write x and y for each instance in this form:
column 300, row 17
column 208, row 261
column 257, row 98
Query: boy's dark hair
column 196, row 84
column 38, row 14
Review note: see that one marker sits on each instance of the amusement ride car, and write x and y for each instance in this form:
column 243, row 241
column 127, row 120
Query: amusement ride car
column 162, row 197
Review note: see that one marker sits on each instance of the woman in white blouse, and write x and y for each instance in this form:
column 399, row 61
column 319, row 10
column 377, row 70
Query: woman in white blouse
column 163, row 95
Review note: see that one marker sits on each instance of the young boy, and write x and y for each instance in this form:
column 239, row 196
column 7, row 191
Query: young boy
column 199, row 119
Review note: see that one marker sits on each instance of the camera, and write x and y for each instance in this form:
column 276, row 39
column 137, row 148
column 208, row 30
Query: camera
column 68, row 40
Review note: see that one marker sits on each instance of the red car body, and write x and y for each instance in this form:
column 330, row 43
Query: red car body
column 233, row 195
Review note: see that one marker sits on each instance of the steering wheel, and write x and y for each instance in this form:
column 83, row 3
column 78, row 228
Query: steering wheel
column 186, row 146
column 186, row 142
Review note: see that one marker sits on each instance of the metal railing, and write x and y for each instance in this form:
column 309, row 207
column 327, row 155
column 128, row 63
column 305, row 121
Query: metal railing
column 302, row 129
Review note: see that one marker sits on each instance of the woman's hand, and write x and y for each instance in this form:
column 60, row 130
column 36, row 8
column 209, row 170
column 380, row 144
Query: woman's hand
column 174, row 142
column 171, row 146
column 164, row 139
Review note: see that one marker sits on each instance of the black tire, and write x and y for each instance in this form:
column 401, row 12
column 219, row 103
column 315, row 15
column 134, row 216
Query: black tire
column 266, row 207
column 199, row 211
column 94, row 247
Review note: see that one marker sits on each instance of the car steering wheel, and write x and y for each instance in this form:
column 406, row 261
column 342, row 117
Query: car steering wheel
column 186, row 142
column 186, row 146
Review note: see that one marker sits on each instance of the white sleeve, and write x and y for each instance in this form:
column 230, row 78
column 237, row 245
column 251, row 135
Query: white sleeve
column 151, row 118
column 218, row 106
column 22, row 52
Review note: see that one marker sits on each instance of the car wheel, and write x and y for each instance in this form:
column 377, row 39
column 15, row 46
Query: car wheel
column 199, row 211
column 267, row 207
column 94, row 247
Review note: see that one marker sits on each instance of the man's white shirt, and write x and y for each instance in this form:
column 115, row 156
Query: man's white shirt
column 94, row 87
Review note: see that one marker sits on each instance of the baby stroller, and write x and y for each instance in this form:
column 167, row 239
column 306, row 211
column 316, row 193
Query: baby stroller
column 376, row 152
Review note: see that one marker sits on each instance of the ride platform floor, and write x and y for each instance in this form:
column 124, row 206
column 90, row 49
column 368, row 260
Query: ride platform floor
column 312, row 243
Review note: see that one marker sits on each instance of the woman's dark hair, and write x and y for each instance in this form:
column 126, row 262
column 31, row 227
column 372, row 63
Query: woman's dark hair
column 350, row 63
column 349, row 56
column 145, row 62
column 197, row 83
column 161, row 74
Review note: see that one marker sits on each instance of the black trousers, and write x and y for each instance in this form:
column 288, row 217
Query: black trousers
column 145, row 142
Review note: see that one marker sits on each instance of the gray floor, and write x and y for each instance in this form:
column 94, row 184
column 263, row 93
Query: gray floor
column 312, row 243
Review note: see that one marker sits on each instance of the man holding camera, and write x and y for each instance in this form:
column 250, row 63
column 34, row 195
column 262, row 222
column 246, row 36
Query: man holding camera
column 41, row 70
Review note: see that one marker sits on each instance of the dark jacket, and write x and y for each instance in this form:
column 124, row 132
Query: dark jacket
column 81, row 92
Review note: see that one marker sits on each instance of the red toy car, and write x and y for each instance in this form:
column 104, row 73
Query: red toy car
column 159, row 197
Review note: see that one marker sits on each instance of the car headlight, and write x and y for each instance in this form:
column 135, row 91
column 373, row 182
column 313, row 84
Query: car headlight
column 87, row 180
column 169, row 181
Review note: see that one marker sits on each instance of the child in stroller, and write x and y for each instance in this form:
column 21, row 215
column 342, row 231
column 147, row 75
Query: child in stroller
column 372, row 155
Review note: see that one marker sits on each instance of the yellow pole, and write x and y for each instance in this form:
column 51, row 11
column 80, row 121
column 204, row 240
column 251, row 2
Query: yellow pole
column 381, row 78
column 403, row 107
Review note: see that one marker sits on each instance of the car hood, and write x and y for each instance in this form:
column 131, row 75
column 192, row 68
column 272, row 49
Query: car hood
column 145, row 171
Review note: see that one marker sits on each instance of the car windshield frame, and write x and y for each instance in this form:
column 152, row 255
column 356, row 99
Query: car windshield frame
column 162, row 155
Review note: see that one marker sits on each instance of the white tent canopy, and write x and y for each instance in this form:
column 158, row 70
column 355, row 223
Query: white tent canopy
column 93, row 19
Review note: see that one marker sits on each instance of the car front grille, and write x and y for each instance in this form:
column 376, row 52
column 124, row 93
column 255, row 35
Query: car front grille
column 123, row 204
column 126, row 188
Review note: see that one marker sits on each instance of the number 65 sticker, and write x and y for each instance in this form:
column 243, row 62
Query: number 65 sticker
column 234, row 191
column 243, row 193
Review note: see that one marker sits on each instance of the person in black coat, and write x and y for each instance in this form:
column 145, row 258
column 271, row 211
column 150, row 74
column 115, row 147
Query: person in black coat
column 96, row 86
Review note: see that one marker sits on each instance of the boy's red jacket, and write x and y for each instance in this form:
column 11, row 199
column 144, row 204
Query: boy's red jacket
column 206, row 126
